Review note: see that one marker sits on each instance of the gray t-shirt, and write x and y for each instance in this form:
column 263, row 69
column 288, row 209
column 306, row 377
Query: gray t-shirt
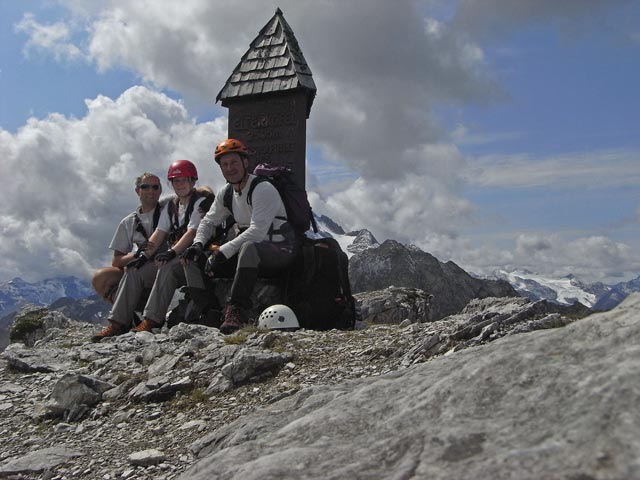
column 127, row 235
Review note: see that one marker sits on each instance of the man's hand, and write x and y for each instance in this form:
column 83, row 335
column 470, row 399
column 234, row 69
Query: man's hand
column 138, row 261
column 192, row 253
column 214, row 262
column 165, row 257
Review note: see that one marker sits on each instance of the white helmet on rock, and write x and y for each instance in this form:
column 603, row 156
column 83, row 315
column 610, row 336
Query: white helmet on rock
column 278, row 317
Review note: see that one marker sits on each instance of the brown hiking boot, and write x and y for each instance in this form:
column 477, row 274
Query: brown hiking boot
column 235, row 318
column 111, row 330
column 145, row 326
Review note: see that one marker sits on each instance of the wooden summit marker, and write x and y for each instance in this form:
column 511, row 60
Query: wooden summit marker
column 269, row 97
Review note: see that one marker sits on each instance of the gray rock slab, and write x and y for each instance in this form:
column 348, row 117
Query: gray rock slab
column 556, row 404
column 394, row 305
column 38, row 461
column 250, row 362
column 146, row 458
column 72, row 391
column 25, row 359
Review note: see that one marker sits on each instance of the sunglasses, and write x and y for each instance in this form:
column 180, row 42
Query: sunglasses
column 146, row 186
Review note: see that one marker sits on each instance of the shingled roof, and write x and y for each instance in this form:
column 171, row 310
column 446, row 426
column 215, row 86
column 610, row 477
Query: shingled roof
column 273, row 63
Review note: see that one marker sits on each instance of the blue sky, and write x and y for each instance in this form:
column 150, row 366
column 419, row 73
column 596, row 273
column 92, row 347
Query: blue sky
column 496, row 141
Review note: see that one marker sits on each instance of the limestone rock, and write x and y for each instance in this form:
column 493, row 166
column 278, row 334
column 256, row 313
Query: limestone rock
column 407, row 266
column 28, row 325
column 363, row 241
column 394, row 305
column 152, row 386
column 73, row 394
column 146, row 458
column 561, row 403
column 27, row 360
column 38, row 461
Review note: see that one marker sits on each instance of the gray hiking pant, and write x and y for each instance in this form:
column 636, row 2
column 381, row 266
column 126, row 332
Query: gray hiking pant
column 169, row 278
column 134, row 283
column 265, row 258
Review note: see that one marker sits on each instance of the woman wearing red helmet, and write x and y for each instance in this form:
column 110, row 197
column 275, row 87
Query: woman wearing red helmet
column 179, row 223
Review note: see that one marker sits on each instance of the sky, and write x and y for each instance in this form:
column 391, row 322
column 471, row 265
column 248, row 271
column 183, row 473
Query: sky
column 492, row 133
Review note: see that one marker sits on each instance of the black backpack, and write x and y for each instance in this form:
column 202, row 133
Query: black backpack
column 294, row 198
column 319, row 291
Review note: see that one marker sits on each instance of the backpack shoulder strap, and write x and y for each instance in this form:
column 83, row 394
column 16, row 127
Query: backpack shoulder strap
column 156, row 216
column 137, row 226
column 258, row 180
column 228, row 197
column 138, row 223
column 173, row 210
column 192, row 202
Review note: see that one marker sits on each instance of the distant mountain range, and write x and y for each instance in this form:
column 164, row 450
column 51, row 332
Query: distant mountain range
column 563, row 291
column 567, row 290
column 16, row 293
column 65, row 293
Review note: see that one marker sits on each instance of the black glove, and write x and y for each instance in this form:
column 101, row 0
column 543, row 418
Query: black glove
column 193, row 252
column 138, row 262
column 166, row 256
column 141, row 249
column 213, row 262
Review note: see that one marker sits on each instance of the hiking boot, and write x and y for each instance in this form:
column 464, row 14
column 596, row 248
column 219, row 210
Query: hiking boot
column 111, row 330
column 235, row 318
column 146, row 325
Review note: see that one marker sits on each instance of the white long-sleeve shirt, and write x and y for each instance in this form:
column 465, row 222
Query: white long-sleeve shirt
column 257, row 218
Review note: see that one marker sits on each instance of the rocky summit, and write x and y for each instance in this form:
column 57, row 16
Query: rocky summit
column 507, row 388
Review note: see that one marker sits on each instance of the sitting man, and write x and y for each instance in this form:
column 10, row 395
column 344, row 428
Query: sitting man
column 130, row 241
column 265, row 243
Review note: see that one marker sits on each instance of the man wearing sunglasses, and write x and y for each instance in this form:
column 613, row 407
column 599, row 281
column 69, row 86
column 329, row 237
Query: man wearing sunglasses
column 131, row 239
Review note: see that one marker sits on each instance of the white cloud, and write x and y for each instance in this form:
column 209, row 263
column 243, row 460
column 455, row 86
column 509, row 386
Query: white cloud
column 419, row 206
column 72, row 180
column 379, row 70
column 54, row 38
column 600, row 169
column 593, row 258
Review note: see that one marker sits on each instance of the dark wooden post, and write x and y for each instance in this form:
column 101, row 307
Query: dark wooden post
column 269, row 97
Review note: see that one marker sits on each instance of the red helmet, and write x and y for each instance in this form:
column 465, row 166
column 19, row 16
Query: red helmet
column 230, row 145
column 182, row 168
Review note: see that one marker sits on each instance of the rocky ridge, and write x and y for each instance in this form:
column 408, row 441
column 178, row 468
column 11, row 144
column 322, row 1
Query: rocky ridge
column 395, row 264
column 144, row 406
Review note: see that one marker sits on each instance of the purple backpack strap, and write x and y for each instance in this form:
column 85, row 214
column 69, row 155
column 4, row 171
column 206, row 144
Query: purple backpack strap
column 268, row 170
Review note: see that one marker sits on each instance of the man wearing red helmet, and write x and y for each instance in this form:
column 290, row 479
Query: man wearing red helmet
column 264, row 244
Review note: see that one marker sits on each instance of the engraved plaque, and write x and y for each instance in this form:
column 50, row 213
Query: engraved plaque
column 274, row 129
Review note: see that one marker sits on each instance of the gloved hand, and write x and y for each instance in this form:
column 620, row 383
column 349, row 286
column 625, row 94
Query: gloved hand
column 138, row 261
column 141, row 249
column 193, row 252
column 167, row 256
column 214, row 262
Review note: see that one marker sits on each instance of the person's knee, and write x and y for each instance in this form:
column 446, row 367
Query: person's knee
column 105, row 280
